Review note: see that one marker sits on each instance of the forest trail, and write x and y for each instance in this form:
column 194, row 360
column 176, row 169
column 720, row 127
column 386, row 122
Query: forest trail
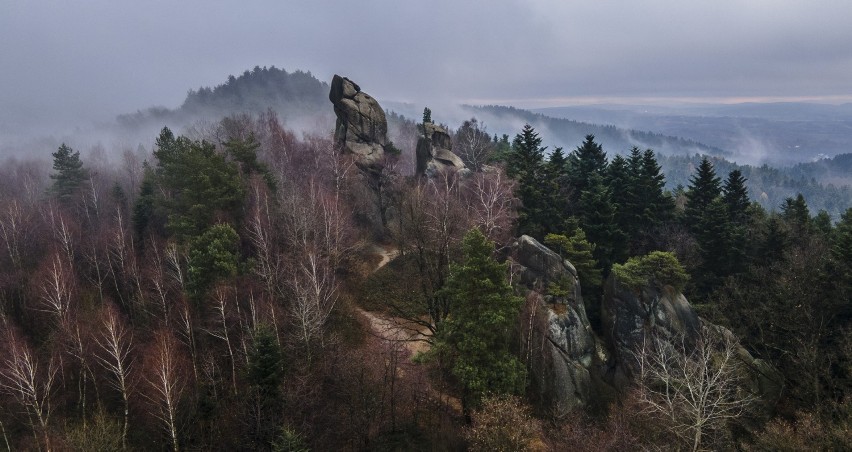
column 412, row 336
column 395, row 328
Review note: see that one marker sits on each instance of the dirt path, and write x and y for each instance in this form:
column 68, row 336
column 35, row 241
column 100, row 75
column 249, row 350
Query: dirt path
column 395, row 328
column 410, row 334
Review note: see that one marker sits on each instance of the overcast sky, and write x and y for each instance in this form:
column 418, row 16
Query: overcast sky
column 98, row 58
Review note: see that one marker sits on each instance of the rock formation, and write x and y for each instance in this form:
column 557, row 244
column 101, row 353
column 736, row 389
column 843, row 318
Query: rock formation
column 570, row 366
column 434, row 152
column 565, row 359
column 361, row 127
column 629, row 317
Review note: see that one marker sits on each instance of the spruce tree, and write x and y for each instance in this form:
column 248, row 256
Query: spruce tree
column 70, row 173
column 477, row 338
column 587, row 160
column 704, row 187
column 621, row 183
column 525, row 163
column 795, row 212
column 654, row 206
column 735, row 196
column 841, row 249
column 597, row 215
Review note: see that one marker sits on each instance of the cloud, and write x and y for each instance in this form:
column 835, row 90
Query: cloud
column 95, row 59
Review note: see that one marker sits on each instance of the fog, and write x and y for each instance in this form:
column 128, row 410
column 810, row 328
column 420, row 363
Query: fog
column 70, row 67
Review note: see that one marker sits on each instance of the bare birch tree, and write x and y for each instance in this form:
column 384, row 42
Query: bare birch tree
column 165, row 383
column 29, row 383
column 696, row 386
column 115, row 341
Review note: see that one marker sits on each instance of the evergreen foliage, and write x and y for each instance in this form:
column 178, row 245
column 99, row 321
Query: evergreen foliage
column 656, row 269
column 213, row 256
column 586, row 162
column 525, row 163
column 597, row 216
column 477, row 338
column 735, row 196
column 69, row 175
column 580, row 252
column 201, row 185
column 704, row 187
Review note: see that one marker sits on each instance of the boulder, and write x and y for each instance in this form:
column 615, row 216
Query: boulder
column 361, row 127
column 434, row 152
column 560, row 345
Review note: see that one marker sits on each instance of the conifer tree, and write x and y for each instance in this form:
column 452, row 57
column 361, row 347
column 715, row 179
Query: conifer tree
column 735, row 196
column 653, row 206
column 477, row 338
column 842, row 246
column 704, row 187
column 625, row 198
column 795, row 212
column 200, row 185
column 587, row 160
column 580, row 252
column 525, row 164
column 70, row 173
column 597, row 218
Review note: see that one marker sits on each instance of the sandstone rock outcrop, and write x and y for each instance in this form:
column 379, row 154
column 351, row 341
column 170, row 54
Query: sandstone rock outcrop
column 570, row 365
column 629, row 317
column 560, row 345
column 361, row 127
column 434, row 152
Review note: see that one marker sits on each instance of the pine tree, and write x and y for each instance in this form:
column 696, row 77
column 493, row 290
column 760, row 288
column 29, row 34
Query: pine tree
column 580, row 252
column 841, row 250
column 525, row 164
column 70, row 173
column 587, row 160
column 477, row 338
column 795, row 212
column 654, row 206
column 620, row 180
column 735, row 196
column 703, row 188
column 597, row 218
column 200, row 185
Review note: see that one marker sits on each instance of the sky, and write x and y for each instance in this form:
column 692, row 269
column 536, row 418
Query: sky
column 95, row 59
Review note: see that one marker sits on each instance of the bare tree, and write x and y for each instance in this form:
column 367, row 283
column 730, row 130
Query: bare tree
column 314, row 285
column 115, row 341
column 473, row 144
column 28, row 383
column 166, row 383
column 695, row 385
column 493, row 204
column 57, row 289
column 434, row 220
column 11, row 230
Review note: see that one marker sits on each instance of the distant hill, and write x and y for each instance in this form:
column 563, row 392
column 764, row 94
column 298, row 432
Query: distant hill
column 615, row 140
column 776, row 133
column 290, row 94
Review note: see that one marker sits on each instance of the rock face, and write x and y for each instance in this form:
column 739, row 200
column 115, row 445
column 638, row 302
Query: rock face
column 629, row 317
column 361, row 127
column 572, row 367
column 434, row 152
column 559, row 341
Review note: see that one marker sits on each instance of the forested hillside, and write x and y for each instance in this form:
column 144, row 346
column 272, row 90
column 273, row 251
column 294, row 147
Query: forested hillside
column 250, row 287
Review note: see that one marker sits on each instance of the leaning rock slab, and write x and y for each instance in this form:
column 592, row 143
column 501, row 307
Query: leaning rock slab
column 361, row 127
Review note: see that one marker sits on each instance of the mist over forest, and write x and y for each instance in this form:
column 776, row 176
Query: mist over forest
column 288, row 264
